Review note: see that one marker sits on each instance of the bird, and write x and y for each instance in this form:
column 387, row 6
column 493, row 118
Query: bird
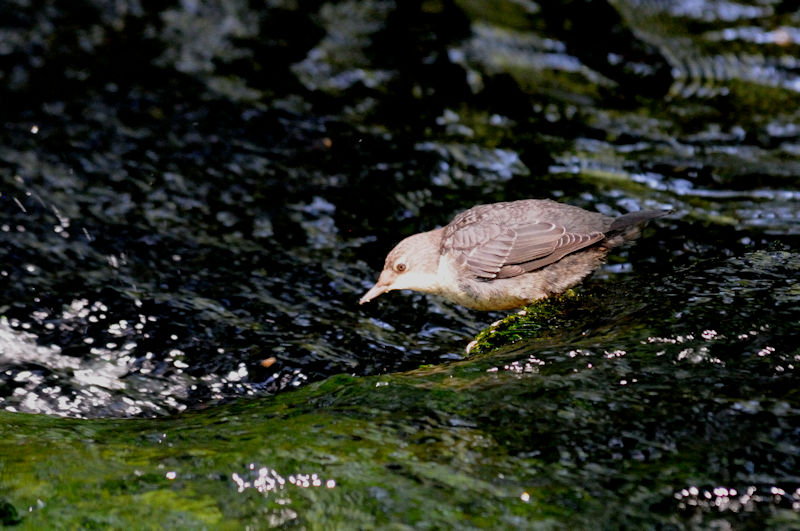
column 502, row 256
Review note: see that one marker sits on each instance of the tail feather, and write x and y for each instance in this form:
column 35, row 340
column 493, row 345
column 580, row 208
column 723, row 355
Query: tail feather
column 628, row 227
column 635, row 218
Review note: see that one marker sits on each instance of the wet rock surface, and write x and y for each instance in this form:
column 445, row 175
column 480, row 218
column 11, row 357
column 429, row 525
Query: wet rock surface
column 191, row 189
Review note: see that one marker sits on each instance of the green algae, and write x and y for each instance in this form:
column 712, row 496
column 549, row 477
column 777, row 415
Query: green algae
column 545, row 426
column 387, row 467
column 537, row 320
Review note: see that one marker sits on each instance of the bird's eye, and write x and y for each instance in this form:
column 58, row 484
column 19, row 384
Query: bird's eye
column 400, row 267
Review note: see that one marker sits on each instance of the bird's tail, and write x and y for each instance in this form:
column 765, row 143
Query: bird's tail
column 629, row 226
column 631, row 219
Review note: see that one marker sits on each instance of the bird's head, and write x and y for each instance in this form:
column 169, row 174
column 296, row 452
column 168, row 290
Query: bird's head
column 413, row 264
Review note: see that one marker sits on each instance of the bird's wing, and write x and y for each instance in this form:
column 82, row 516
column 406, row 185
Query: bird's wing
column 502, row 250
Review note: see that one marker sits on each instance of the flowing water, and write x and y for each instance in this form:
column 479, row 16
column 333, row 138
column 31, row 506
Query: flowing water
column 194, row 197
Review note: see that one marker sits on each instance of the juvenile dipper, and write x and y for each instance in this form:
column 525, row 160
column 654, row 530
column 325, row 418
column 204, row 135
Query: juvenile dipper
column 506, row 255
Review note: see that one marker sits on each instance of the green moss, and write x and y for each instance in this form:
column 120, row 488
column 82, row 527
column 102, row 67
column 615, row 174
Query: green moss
column 596, row 434
column 396, row 451
column 537, row 320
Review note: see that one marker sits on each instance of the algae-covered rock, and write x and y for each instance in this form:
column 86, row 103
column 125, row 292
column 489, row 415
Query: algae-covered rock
column 539, row 319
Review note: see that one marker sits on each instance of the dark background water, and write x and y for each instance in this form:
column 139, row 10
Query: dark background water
column 191, row 188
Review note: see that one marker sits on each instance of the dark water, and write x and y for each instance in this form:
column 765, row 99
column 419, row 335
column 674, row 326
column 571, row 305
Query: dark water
column 195, row 195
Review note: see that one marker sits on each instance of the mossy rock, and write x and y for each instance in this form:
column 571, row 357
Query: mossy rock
column 537, row 320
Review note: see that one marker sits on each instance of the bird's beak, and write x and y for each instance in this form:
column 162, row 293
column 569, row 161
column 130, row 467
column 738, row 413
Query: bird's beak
column 382, row 286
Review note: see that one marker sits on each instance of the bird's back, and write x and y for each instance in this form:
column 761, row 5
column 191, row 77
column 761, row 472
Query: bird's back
column 511, row 213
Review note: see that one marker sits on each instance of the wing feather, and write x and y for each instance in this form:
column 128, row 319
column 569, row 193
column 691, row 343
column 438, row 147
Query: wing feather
column 493, row 249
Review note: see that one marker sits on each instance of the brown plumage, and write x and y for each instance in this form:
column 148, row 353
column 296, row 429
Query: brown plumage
column 506, row 255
